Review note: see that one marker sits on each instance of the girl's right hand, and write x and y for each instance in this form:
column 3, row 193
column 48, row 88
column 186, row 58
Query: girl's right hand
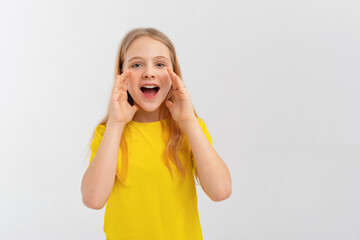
column 120, row 111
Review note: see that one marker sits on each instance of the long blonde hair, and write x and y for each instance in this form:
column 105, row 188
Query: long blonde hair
column 176, row 138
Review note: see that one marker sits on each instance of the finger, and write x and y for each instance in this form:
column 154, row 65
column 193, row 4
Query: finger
column 118, row 84
column 176, row 80
column 125, row 75
column 124, row 80
column 119, row 79
column 124, row 84
column 172, row 78
column 115, row 88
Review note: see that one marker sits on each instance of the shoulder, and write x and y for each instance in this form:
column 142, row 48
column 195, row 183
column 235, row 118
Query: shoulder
column 95, row 143
column 204, row 129
column 98, row 133
column 201, row 122
column 100, row 128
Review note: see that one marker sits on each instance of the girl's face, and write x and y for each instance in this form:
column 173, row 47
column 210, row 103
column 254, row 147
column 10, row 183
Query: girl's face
column 148, row 59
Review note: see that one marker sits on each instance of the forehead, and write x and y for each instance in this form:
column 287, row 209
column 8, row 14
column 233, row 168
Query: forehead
column 147, row 47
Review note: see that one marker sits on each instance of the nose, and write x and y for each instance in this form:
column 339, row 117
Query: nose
column 149, row 73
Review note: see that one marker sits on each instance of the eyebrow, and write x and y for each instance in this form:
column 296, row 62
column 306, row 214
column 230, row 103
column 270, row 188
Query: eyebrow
column 143, row 58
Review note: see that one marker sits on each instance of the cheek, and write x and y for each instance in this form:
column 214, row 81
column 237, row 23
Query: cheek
column 132, row 81
column 165, row 79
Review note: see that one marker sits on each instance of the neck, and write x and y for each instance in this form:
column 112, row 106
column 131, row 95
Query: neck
column 145, row 117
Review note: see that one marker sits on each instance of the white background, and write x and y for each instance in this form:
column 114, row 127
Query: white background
column 276, row 82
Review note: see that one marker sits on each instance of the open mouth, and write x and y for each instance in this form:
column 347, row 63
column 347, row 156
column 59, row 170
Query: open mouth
column 149, row 90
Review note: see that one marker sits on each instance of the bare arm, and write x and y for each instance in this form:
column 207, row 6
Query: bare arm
column 98, row 180
column 213, row 173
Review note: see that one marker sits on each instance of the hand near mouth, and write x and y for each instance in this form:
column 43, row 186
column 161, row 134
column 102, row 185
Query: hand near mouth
column 120, row 111
column 181, row 107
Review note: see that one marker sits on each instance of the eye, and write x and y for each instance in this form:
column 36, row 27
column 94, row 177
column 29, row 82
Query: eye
column 136, row 65
column 160, row 65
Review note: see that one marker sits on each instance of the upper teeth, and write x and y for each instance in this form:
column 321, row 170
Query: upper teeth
column 149, row 86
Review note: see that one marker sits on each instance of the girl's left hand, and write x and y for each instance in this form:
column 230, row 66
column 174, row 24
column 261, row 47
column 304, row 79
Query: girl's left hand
column 181, row 108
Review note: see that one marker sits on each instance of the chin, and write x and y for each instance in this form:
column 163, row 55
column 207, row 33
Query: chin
column 150, row 107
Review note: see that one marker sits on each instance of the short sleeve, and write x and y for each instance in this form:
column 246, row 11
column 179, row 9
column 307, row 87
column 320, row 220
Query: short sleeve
column 206, row 132
column 99, row 133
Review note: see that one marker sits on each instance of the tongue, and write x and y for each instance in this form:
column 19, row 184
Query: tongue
column 149, row 91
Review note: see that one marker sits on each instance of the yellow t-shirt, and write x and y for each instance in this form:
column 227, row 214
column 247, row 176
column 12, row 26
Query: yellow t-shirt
column 151, row 206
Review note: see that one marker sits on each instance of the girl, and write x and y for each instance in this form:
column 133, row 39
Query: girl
column 146, row 150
